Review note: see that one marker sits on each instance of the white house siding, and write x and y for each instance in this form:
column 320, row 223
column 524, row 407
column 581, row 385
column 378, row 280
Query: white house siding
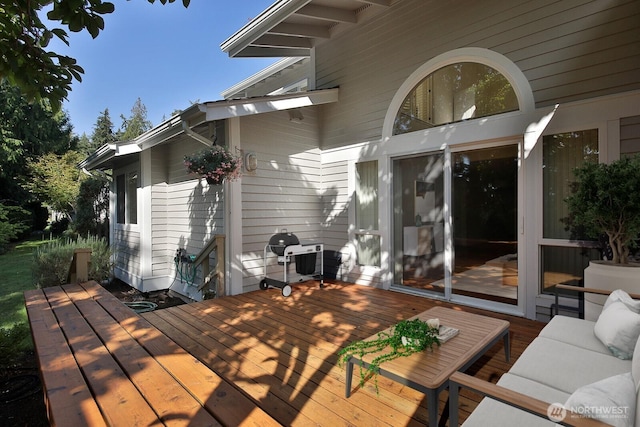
column 126, row 242
column 568, row 50
column 284, row 192
column 161, row 258
column 194, row 210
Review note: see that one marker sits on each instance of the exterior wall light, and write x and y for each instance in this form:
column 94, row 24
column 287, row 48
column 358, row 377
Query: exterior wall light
column 251, row 161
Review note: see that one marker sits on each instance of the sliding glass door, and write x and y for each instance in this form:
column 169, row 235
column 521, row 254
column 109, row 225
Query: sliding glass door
column 484, row 198
column 418, row 221
column 477, row 255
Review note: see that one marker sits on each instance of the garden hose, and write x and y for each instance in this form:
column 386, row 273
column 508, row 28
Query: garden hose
column 185, row 269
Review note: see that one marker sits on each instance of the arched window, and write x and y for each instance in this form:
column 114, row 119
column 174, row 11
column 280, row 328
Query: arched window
column 456, row 92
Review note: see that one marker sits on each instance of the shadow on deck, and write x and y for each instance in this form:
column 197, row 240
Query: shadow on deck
column 282, row 352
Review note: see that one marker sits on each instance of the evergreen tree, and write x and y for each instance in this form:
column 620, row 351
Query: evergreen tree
column 136, row 124
column 103, row 131
column 27, row 131
column 84, row 144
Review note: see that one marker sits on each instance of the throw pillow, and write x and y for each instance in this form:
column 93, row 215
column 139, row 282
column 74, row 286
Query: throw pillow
column 625, row 298
column 618, row 328
column 611, row 400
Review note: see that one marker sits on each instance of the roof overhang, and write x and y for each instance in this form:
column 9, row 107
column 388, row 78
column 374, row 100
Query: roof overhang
column 197, row 114
column 225, row 109
column 103, row 156
column 292, row 28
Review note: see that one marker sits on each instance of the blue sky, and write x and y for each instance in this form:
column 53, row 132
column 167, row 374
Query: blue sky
column 167, row 56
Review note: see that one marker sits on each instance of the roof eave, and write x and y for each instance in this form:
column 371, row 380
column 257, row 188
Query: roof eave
column 246, row 35
column 244, row 107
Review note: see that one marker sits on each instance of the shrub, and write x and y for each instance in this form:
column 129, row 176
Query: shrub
column 13, row 221
column 52, row 261
column 605, row 199
column 14, row 342
column 92, row 207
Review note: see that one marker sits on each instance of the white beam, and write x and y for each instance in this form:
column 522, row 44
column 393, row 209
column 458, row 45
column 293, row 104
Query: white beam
column 332, row 14
column 385, row 3
column 271, row 52
column 283, row 41
column 301, row 30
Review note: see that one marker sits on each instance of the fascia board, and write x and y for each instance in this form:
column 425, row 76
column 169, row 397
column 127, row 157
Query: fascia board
column 275, row 14
column 167, row 129
column 98, row 157
column 237, row 108
column 260, row 76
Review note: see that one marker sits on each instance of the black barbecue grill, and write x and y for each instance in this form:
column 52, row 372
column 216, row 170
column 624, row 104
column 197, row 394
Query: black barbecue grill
column 285, row 245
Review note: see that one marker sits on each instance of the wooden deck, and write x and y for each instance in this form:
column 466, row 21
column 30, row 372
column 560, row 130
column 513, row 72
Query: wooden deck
column 282, row 351
column 265, row 359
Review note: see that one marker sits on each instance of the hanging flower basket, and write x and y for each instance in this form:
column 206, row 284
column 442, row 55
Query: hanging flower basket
column 216, row 164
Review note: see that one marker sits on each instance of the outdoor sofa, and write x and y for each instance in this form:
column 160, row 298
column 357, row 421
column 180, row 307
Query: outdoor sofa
column 575, row 371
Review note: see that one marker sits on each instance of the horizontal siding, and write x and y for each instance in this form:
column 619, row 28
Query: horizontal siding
column 161, row 260
column 630, row 135
column 568, row 50
column 127, row 250
column 284, row 192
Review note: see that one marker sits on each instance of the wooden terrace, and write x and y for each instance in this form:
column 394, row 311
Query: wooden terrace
column 262, row 359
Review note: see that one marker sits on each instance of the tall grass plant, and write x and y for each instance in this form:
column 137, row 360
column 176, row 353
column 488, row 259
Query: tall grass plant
column 52, row 261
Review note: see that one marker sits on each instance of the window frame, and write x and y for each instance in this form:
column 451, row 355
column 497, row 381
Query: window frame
column 123, row 217
column 373, row 231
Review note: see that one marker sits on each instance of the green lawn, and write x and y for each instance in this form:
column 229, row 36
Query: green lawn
column 15, row 278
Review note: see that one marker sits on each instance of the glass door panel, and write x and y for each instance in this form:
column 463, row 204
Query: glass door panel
column 418, row 221
column 484, row 207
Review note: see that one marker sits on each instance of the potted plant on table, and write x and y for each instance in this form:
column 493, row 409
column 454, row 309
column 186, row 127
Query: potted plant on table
column 216, row 164
column 403, row 339
column 605, row 201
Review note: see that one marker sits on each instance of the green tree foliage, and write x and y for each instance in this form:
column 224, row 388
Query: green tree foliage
column 84, row 144
column 103, row 131
column 605, row 199
column 24, row 38
column 92, row 215
column 56, row 181
column 136, row 124
column 26, row 132
column 13, row 221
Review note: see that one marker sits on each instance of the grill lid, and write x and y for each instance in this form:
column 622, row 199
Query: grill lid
column 279, row 241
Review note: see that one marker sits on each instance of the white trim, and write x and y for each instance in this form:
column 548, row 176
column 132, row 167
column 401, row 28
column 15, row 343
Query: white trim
column 261, row 76
column 145, row 214
column 246, row 35
column 488, row 57
column 233, row 220
column 244, row 107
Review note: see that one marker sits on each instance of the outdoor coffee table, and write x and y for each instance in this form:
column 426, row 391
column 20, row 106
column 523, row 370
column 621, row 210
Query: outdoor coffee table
column 428, row 371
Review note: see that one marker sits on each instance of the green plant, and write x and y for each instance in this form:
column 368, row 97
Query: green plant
column 404, row 339
column 14, row 342
column 52, row 261
column 215, row 164
column 13, row 221
column 605, row 199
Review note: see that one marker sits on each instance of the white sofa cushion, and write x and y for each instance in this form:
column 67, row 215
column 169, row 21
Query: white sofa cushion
column 611, row 400
column 618, row 327
column 574, row 331
column 635, row 372
column 502, row 415
column 564, row 366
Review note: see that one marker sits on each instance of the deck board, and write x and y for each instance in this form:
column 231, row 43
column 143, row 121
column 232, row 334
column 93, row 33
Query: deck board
column 282, row 352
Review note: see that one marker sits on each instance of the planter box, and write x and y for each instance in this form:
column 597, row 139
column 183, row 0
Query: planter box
column 605, row 275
